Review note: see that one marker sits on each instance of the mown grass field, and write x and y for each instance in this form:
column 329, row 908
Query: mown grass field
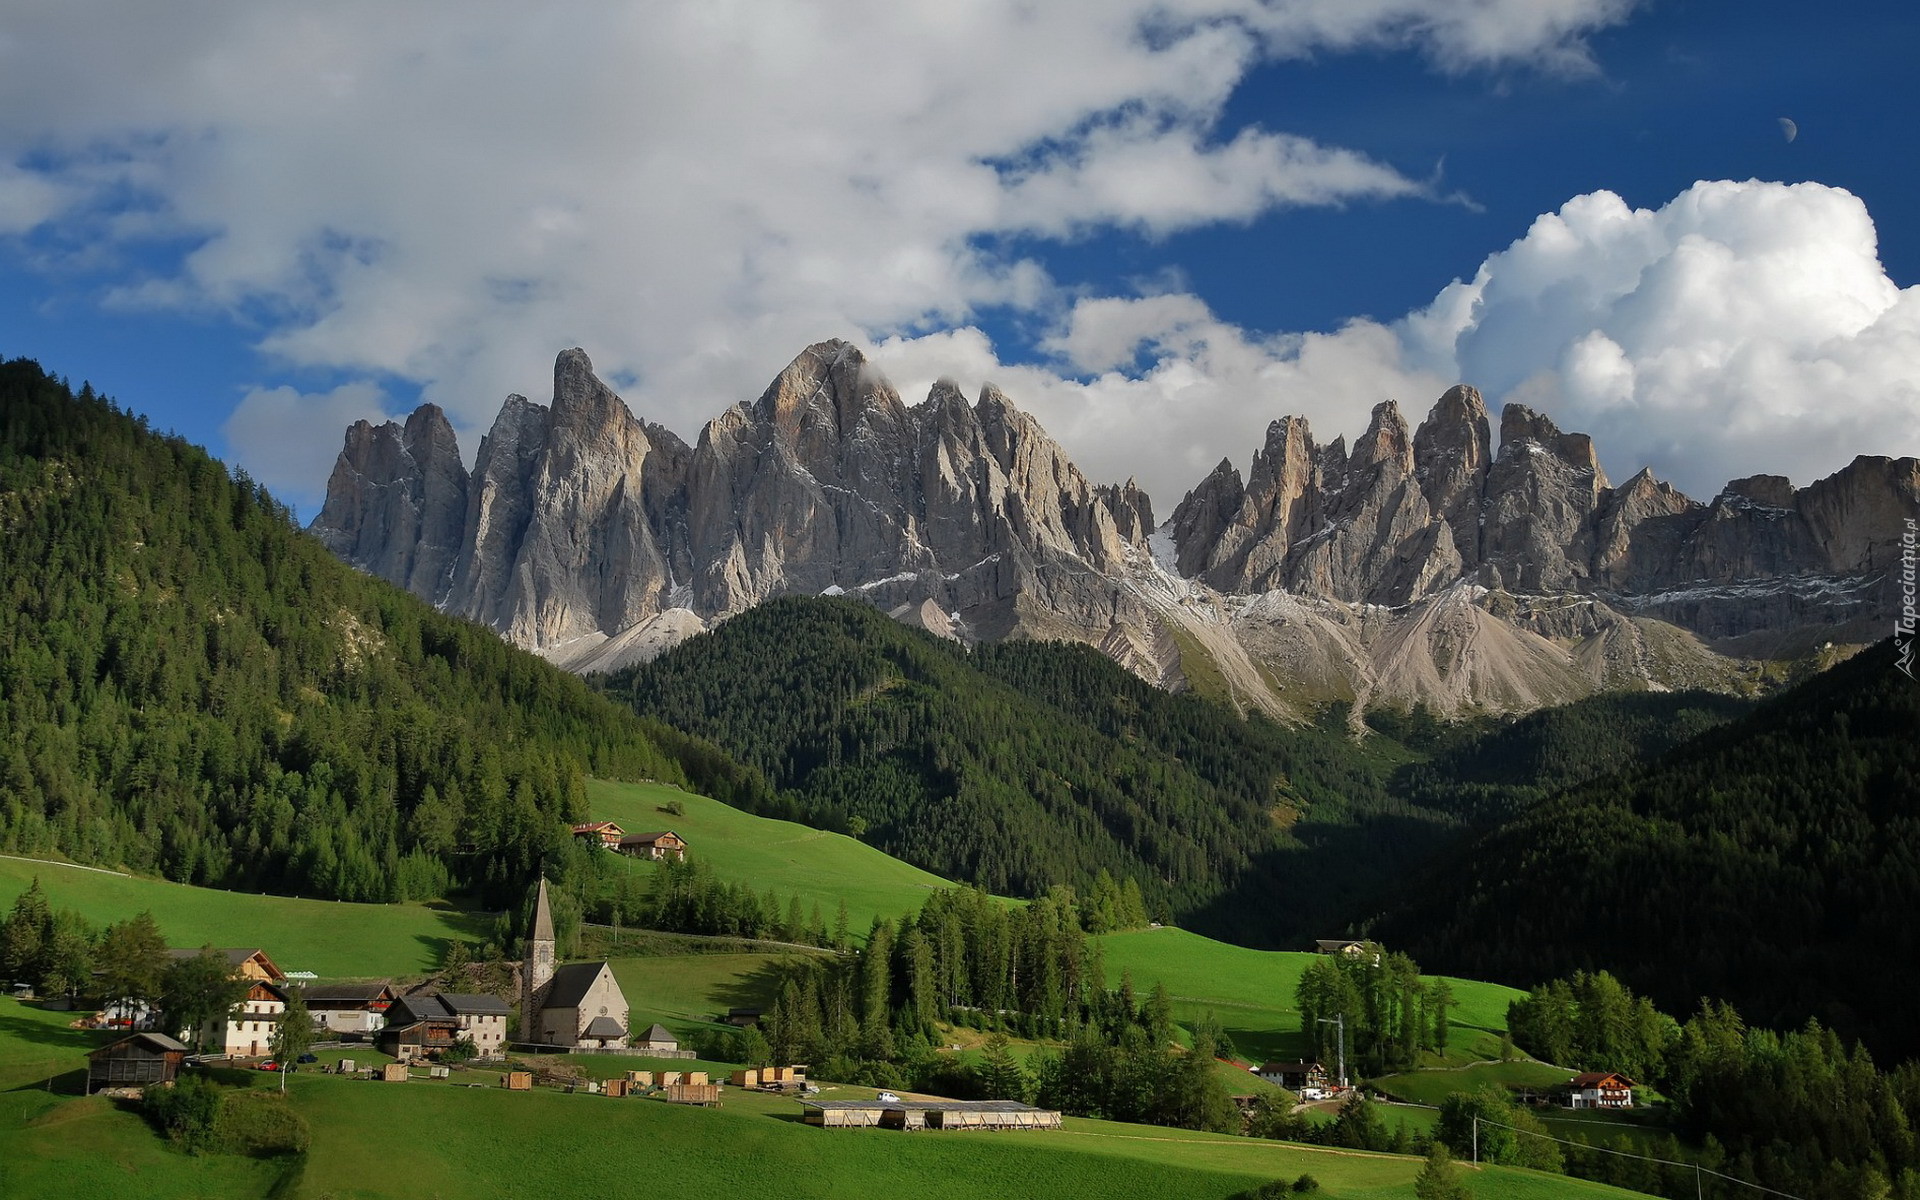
column 329, row 938
column 685, row 991
column 1431, row 1087
column 437, row 1139
column 1251, row 992
column 821, row 868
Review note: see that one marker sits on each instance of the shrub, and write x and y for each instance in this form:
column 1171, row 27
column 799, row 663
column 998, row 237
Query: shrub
column 259, row 1124
column 186, row 1112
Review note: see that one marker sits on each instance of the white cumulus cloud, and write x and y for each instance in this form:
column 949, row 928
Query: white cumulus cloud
column 1741, row 328
column 283, row 433
column 445, row 193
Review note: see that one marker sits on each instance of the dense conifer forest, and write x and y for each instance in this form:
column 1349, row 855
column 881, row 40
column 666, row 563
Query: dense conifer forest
column 1019, row 765
column 1773, row 862
column 1023, row 765
column 191, row 687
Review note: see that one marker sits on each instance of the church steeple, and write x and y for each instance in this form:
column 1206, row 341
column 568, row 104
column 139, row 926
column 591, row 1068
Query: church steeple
column 538, row 969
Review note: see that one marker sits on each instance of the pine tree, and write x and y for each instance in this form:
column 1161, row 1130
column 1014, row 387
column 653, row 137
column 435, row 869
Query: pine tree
column 1440, row 1179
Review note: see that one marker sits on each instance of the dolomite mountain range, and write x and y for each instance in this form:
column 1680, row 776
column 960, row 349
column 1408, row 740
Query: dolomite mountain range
column 1418, row 566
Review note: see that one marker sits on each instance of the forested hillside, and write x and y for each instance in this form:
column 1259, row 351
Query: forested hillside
column 190, row 686
column 1773, row 862
column 1492, row 771
column 1021, row 765
column 1017, row 765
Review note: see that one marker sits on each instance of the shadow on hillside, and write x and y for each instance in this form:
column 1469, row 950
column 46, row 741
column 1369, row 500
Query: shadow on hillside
column 70, row 1082
column 1288, row 897
column 39, row 1033
column 756, row 989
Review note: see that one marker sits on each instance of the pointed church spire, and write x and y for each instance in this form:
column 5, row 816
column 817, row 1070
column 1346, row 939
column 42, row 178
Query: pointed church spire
column 539, row 967
column 542, row 915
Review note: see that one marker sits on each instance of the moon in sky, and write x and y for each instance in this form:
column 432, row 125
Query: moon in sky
column 1788, row 128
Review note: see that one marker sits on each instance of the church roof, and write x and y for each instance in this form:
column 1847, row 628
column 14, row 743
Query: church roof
column 603, row 1027
column 571, row 984
column 658, row 1035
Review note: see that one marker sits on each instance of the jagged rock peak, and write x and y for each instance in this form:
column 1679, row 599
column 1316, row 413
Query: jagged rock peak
column 1132, row 509
column 1520, row 424
column 1457, row 423
column 828, row 380
column 580, row 399
column 1386, row 439
column 1773, row 491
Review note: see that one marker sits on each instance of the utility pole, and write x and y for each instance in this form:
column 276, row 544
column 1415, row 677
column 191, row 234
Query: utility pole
column 1341, row 1022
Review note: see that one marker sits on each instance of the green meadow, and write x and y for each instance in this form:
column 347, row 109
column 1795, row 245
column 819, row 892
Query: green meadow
column 442, row 1139
column 821, row 868
column 1251, row 992
column 1431, row 1087
column 329, row 938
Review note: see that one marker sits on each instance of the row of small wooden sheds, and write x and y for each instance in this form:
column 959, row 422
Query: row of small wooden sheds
column 928, row 1114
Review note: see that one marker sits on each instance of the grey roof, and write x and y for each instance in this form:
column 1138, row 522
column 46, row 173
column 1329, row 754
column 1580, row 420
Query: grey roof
column 571, row 984
column 657, row 1034
column 408, row 1010
column 471, row 1004
column 604, row 1027
column 159, row 1041
column 542, row 915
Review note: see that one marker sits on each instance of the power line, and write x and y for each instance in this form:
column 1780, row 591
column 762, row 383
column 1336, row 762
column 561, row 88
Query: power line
column 1694, row 1167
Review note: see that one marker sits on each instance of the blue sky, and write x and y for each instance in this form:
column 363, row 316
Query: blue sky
column 1156, row 226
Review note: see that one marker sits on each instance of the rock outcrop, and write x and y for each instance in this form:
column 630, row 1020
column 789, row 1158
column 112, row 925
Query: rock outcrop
column 1422, row 566
column 397, row 502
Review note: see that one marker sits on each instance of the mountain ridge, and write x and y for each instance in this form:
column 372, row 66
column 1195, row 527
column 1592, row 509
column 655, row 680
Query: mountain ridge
column 1421, row 567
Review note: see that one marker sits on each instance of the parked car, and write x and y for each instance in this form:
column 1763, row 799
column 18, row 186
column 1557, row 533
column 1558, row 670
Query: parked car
column 268, row 1065
column 887, row 1096
column 307, row 1058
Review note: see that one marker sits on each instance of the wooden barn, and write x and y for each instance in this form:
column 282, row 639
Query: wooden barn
column 657, row 844
column 928, row 1114
column 135, row 1061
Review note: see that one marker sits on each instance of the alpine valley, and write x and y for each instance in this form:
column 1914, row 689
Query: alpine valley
column 1423, row 566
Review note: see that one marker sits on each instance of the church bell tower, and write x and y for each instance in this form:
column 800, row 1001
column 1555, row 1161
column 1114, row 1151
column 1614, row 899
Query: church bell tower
column 538, row 970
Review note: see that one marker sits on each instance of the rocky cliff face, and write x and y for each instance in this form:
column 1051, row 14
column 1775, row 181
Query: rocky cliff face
column 1420, row 566
column 397, row 502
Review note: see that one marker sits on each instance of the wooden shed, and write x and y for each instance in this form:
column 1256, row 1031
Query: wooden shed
column 517, row 1081
column 642, row 1078
column 748, row 1078
column 617, row 1087
column 694, row 1077
column 704, row 1094
column 671, row 1078
column 928, row 1114
column 135, row 1061
column 394, row 1072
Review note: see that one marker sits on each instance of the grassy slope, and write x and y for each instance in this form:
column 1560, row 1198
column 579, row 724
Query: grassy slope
column 326, row 937
column 819, row 867
column 432, row 1139
column 1251, row 991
